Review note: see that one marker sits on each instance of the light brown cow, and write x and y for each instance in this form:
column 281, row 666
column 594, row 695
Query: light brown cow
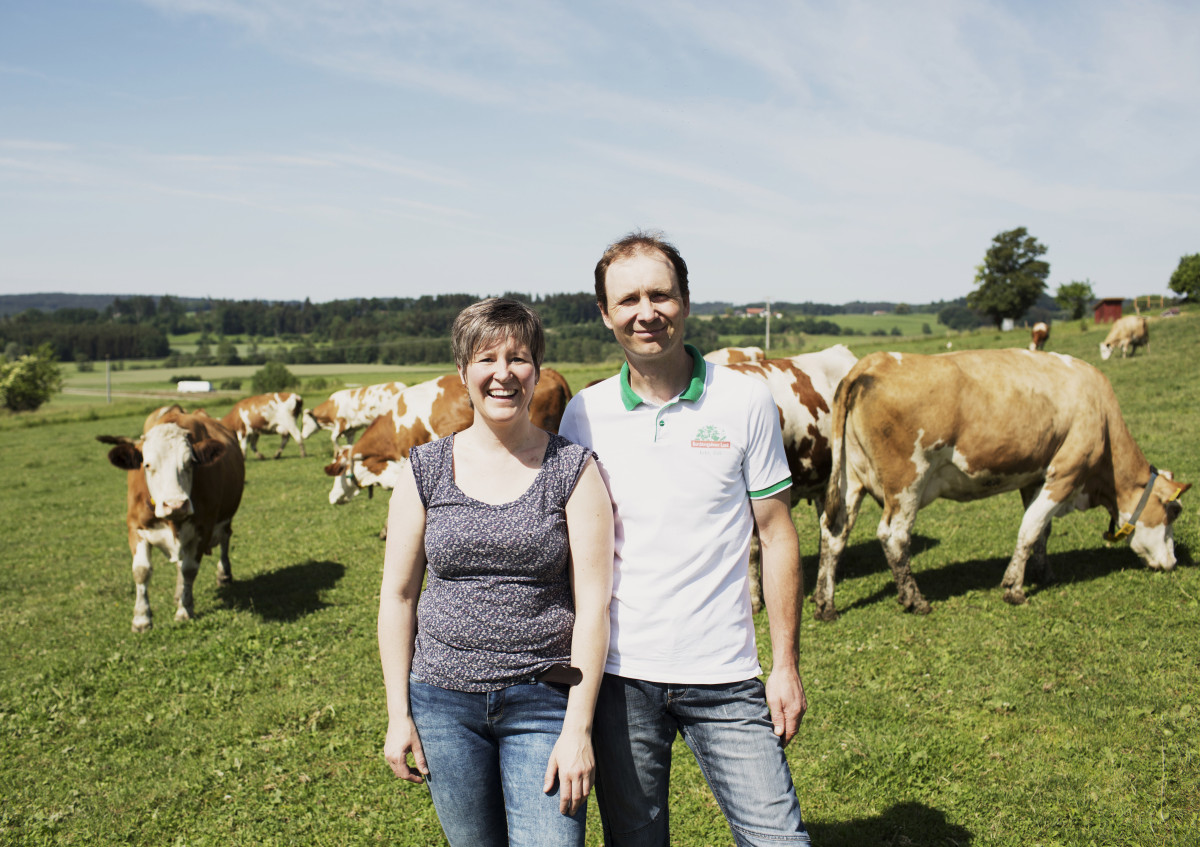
column 802, row 388
column 183, row 487
column 278, row 412
column 1038, row 336
column 735, row 355
column 349, row 410
column 1127, row 333
column 425, row 412
column 911, row 429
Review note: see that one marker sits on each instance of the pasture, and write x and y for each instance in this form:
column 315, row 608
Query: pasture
column 1072, row 720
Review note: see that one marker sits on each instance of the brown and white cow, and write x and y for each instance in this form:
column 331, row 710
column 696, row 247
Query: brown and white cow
column 278, row 412
column 735, row 355
column 1038, row 336
column 910, row 429
column 184, row 485
column 802, row 388
column 1127, row 333
column 349, row 410
column 422, row 413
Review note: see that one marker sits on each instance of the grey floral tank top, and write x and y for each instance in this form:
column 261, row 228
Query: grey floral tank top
column 497, row 606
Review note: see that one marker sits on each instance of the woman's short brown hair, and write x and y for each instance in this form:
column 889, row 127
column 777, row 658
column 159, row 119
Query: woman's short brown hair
column 492, row 319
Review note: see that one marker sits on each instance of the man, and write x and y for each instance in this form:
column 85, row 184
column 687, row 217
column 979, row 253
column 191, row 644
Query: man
column 693, row 457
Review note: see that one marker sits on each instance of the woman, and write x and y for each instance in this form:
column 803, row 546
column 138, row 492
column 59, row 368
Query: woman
column 513, row 528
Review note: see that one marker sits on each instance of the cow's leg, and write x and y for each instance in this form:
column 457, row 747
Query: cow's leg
column 298, row 434
column 1035, row 522
column 222, row 532
column 283, row 440
column 894, row 534
column 142, row 617
column 835, row 530
column 1037, row 569
column 252, row 441
column 189, row 564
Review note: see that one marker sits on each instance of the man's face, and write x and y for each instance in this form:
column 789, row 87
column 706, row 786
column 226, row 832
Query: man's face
column 645, row 309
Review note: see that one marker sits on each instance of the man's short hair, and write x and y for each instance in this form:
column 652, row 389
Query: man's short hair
column 636, row 243
column 494, row 319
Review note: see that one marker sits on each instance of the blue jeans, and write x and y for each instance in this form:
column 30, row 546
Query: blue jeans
column 487, row 756
column 727, row 726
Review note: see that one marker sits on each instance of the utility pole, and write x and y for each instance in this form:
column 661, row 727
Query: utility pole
column 768, row 344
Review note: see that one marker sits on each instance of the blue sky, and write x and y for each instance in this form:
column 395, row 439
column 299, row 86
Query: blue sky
column 799, row 151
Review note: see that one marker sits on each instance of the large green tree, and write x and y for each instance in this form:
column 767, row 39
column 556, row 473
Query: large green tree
column 1186, row 279
column 1075, row 297
column 1011, row 278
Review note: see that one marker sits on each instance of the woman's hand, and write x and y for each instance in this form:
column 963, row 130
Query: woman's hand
column 402, row 739
column 573, row 764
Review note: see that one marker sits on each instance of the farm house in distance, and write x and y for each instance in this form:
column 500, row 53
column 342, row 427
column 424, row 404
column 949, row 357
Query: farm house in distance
column 1107, row 309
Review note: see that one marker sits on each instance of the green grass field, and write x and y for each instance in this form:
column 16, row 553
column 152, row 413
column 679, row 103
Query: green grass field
column 1072, row 720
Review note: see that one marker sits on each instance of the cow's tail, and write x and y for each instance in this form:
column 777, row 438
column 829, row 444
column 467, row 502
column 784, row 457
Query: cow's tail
column 835, row 492
column 297, row 406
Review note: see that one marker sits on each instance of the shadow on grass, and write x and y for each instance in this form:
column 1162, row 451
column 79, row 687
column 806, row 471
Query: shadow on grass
column 903, row 825
column 940, row 584
column 283, row 595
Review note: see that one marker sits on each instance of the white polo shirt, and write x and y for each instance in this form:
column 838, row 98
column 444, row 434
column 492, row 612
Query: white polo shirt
column 681, row 477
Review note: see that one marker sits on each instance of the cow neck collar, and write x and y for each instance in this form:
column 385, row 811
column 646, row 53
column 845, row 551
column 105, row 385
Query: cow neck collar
column 1128, row 526
column 694, row 391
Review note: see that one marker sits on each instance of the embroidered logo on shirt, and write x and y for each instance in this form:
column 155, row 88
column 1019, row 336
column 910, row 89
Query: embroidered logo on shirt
column 711, row 436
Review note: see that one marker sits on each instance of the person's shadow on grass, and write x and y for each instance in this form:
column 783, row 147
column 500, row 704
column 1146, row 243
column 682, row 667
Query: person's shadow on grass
column 903, row 825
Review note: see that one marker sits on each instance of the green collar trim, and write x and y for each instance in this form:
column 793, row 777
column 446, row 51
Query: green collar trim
column 694, row 391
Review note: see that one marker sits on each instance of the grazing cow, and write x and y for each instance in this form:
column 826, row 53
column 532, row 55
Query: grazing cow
column 1038, row 336
column 909, row 429
column 349, row 410
column 421, row 413
column 278, row 412
column 803, row 388
column 1128, row 333
column 184, row 485
column 735, row 355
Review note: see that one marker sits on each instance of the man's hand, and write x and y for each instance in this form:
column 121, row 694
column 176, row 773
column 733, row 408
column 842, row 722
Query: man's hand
column 785, row 698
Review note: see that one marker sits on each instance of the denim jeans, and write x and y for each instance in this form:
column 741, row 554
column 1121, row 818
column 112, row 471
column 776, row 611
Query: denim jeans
column 728, row 728
column 487, row 756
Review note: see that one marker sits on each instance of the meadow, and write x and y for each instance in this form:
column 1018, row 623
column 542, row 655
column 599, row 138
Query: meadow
column 1071, row 720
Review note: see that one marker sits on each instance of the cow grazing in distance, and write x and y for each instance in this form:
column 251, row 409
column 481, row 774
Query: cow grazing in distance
column 1128, row 334
column 279, row 412
column 910, row 429
column 425, row 412
column 802, row 388
column 1038, row 336
column 735, row 355
column 351, row 409
column 184, row 485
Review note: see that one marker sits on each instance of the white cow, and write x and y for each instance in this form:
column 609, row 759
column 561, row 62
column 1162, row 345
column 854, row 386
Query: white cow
column 1128, row 333
column 349, row 410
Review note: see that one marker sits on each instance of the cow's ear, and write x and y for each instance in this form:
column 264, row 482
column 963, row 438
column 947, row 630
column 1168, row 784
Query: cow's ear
column 208, row 451
column 334, row 468
column 126, row 456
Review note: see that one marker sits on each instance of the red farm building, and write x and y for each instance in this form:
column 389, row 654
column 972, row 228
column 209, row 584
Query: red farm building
column 1107, row 309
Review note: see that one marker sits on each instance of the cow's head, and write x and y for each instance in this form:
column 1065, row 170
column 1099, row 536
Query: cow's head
column 345, row 486
column 308, row 424
column 168, row 457
column 1153, row 536
column 1105, row 351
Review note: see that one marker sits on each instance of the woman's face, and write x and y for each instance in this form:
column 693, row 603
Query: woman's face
column 500, row 377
